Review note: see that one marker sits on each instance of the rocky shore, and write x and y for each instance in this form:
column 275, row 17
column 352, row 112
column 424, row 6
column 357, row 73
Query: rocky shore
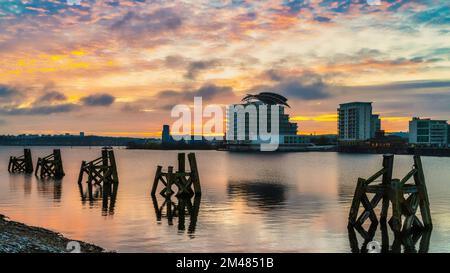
column 19, row 238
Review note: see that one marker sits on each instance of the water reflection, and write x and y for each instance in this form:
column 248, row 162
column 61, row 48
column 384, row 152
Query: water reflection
column 405, row 241
column 170, row 209
column 19, row 181
column 266, row 195
column 50, row 188
column 93, row 193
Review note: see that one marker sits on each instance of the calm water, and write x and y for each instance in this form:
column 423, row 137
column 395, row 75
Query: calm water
column 296, row 202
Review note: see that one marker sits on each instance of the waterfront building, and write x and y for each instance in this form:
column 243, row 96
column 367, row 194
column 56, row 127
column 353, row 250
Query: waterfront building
column 166, row 137
column 375, row 130
column 356, row 121
column 429, row 132
column 287, row 130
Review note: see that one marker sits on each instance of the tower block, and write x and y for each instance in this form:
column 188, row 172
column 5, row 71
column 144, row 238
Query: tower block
column 21, row 164
column 50, row 166
column 405, row 198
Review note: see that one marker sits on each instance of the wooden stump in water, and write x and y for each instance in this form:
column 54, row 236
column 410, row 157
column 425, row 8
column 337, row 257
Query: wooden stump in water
column 51, row 166
column 21, row 164
column 187, row 183
column 102, row 170
column 404, row 197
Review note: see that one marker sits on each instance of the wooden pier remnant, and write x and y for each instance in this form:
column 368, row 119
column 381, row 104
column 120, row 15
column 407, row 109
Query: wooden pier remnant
column 102, row 170
column 187, row 183
column 50, row 166
column 21, row 164
column 404, row 197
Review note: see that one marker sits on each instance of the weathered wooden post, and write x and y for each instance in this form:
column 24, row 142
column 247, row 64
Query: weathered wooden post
column 393, row 191
column 424, row 202
column 183, row 180
column 194, row 174
column 21, row 164
column 50, row 166
column 100, row 170
column 157, row 178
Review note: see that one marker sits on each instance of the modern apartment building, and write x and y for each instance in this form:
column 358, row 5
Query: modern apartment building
column 356, row 121
column 287, row 130
column 429, row 132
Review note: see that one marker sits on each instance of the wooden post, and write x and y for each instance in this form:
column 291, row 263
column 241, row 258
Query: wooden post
column 168, row 192
column 10, row 164
column 424, row 202
column 388, row 166
column 28, row 161
column 396, row 195
column 59, row 169
column 80, row 176
column 39, row 162
column 181, row 162
column 112, row 161
column 356, row 202
column 194, row 174
column 156, row 180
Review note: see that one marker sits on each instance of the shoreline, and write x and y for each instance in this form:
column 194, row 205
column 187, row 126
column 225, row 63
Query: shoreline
column 17, row 237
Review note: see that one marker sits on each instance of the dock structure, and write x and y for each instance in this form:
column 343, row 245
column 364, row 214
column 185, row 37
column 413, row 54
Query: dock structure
column 50, row 166
column 404, row 197
column 102, row 170
column 186, row 183
column 21, row 164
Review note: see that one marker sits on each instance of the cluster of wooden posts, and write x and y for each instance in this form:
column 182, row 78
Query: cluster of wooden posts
column 102, row 180
column 404, row 196
column 49, row 166
column 185, row 183
column 184, row 186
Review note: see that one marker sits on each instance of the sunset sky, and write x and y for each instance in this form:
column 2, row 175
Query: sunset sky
column 112, row 67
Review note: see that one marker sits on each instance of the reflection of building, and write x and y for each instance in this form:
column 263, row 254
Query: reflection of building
column 429, row 132
column 356, row 122
column 263, row 103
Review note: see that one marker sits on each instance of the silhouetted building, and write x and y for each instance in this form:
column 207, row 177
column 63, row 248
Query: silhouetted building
column 166, row 137
column 81, row 134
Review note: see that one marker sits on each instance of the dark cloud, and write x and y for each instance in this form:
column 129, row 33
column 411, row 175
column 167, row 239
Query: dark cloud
column 133, row 24
column 39, row 110
column 322, row 19
column 174, row 61
column 308, row 86
column 406, row 85
column 98, row 100
column 273, row 75
column 167, row 99
column 207, row 92
column 194, row 68
column 8, row 91
column 51, row 96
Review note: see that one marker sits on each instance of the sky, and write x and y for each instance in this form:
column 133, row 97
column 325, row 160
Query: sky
column 117, row 68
